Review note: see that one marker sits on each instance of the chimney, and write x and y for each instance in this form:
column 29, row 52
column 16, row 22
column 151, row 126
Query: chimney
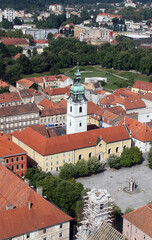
column 27, row 181
column 29, row 205
column 39, row 190
column 10, row 206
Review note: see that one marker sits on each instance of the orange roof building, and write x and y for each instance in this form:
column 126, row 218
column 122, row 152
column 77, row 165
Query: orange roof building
column 47, row 104
column 15, row 41
column 138, row 224
column 3, row 84
column 13, row 156
column 10, row 99
column 26, row 214
column 141, row 133
column 142, row 87
column 74, row 146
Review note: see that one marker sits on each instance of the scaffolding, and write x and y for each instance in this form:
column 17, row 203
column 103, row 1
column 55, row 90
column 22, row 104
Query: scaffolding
column 97, row 209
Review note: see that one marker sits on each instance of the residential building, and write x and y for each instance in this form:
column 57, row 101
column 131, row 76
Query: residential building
column 137, row 224
column 47, row 104
column 129, row 3
column 18, row 117
column 3, row 84
column 110, row 119
column 10, row 99
column 51, row 153
column 9, row 14
column 106, row 17
column 142, row 87
column 141, row 134
column 53, row 117
column 57, row 94
column 77, row 107
column 27, row 96
column 25, row 214
column 40, row 34
column 12, row 156
column 147, row 98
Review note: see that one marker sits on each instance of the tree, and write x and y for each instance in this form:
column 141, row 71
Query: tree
column 126, row 158
column 136, row 155
column 35, row 174
column 82, row 168
column 128, row 210
column 94, row 165
column 25, row 64
column 68, row 171
column 114, row 161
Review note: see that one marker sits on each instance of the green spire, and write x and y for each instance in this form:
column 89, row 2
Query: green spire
column 77, row 74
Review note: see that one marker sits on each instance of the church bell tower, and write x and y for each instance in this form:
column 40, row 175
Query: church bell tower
column 77, row 107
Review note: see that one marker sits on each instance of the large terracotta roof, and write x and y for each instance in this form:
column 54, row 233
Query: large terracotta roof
column 147, row 96
column 26, row 93
column 109, row 115
column 142, row 219
column 21, row 219
column 139, row 130
column 18, row 109
column 124, row 92
column 92, row 108
column 9, row 148
column 147, row 86
column 118, row 110
column 70, row 142
column 14, row 41
column 9, row 97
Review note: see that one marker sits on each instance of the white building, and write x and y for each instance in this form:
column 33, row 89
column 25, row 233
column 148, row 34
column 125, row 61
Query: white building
column 1, row 15
column 9, row 14
column 77, row 107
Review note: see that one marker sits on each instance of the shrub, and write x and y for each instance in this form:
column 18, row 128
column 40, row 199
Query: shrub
column 114, row 161
column 82, row 168
column 94, row 165
column 68, row 171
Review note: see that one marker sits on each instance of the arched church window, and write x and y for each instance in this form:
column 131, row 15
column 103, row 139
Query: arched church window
column 70, row 108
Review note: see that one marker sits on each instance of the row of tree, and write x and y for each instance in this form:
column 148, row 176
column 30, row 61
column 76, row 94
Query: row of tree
column 67, row 194
column 80, row 169
column 129, row 157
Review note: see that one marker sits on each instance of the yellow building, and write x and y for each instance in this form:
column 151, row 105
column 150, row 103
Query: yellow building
column 52, row 153
column 142, row 87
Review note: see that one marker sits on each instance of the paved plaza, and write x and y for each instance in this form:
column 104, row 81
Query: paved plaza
column 115, row 180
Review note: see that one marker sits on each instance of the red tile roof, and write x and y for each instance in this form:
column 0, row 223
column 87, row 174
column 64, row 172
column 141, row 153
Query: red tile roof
column 53, row 112
column 139, row 130
column 142, row 219
column 117, row 110
column 124, row 92
column 109, row 115
column 25, row 82
column 3, row 84
column 40, row 41
column 9, row 97
column 56, row 91
column 18, row 109
column 9, row 148
column 107, row 100
column 45, row 103
column 129, row 103
column 14, row 41
column 21, row 219
column 70, row 142
column 147, row 86
column 63, row 103
column 93, row 108
column 147, row 96
column 17, row 56
column 26, row 93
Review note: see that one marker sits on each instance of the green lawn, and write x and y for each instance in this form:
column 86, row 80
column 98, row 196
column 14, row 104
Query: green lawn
column 97, row 71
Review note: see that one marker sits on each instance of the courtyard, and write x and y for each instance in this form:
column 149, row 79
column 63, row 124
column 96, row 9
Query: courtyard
column 116, row 180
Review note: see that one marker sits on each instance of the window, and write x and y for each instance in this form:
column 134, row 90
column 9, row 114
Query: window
column 2, row 126
column 24, row 123
column 47, row 164
column 117, row 149
column 144, row 237
column 124, row 147
column 80, row 124
column 80, row 109
column 46, row 169
column 17, row 167
column 7, row 160
column 101, row 206
column 63, row 160
column 20, row 123
column 70, row 108
column 6, row 119
column 12, row 159
column 63, row 154
column 7, row 125
column 22, row 157
column 60, row 235
column 60, row 225
column 57, row 162
column 69, row 160
column 16, row 159
column 22, row 165
column 51, row 163
column 109, row 150
column 70, row 123
column 57, row 156
column 2, row 120
column 12, row 167
column 90, row 154
column 80, row 156
column 51, row 168
column 22, row 174
column 28, row 235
